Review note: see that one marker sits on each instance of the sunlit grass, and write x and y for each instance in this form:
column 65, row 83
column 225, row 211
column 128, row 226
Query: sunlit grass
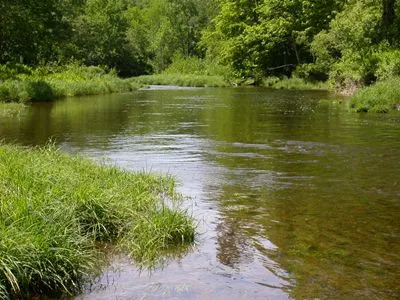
column 45, row 84
column 293, row 83
column 382, row 97
column 182, row 80
column 54, row 208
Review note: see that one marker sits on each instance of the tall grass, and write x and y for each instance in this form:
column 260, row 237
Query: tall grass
column 189, row 80
column 54, row 208
column 23, row 84
column 293, row 83
column 197, row 66
column 191, row 72
column 381, row 97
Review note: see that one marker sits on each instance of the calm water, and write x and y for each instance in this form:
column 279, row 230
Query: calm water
column 295, row 197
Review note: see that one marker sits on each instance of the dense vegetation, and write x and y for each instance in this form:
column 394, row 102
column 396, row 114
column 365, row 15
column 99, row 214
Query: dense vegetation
column 55, row 208
column 22, row 83
column 351, row 43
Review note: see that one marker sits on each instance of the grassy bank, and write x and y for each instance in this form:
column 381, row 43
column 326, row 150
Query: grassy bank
column 182, row 80
column 293, row 83
column 190, row 72
column 382, row 97
column 55, row 208
column 23, row 84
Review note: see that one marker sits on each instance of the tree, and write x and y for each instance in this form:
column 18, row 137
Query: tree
column 32, row 31
column 256, row 37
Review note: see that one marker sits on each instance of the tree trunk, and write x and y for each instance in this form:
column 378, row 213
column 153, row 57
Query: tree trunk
column 388, row 16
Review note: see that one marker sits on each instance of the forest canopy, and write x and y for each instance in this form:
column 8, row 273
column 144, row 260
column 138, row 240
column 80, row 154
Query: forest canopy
column 350, row 42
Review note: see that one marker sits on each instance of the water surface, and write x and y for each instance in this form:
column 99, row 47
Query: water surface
column 295, row 196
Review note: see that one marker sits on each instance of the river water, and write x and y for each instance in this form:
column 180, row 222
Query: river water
column 294, row 196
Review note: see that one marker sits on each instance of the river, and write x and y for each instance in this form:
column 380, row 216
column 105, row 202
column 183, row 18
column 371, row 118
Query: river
column 295, row 197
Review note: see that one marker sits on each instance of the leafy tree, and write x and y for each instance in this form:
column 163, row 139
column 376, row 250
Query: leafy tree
column 171, row 26
column 355, row 50
column 100, row 36
column 257, row 37
column 33, row 31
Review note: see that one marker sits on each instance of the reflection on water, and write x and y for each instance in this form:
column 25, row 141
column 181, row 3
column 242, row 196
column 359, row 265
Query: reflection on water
column 294, row 195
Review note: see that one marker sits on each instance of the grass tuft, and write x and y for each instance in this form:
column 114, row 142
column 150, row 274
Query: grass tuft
column 54, row 208
column 158, row 232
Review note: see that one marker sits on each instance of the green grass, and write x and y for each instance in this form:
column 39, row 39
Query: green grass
column 382, row 97
column 24, row 84
column 55, row 208
column 293, row 83
column 189, row 80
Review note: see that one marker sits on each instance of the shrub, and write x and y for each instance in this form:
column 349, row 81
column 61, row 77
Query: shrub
column 388, row 64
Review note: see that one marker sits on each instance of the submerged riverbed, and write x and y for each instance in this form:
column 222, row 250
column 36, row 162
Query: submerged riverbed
column 294, row 196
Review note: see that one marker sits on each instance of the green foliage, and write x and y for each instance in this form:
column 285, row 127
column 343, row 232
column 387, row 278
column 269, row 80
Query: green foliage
column 381, row 97
column 54, row 207
column 100, row 37
column 256, row 37
column 12, row 71
column 167, row 28
column 32, row 31
column 133, row 37
column 388, row 65
column 352, row 43
column 51, row 82
column 345, row 51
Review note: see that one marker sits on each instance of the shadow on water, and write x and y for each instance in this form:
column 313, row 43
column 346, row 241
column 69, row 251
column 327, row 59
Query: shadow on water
column 294, row 195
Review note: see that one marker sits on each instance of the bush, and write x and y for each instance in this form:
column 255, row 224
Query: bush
column 388, row 64
column 11, row 71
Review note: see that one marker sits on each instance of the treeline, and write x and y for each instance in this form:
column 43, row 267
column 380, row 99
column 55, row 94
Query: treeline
column 135, row 37
column 350, row 42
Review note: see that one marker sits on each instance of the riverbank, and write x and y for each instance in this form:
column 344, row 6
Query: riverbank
column 382, row 97
column 21, row 83
column 293, row 83
column 55, row 209
column 182, row 80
